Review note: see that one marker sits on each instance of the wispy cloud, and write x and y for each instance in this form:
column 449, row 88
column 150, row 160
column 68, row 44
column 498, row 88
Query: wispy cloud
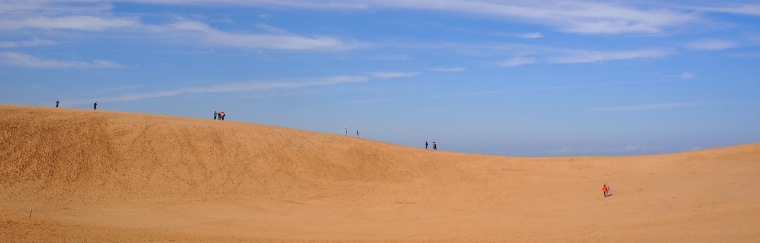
column 599, row 56
column 83, row 23
column 231, row 87
column 27, row 43
column 448, row 69
column 586, row 17
column 649, row 107
column 43, row 16
column 561, row 87
column 711, row 44
column 523, row 54
column 206, row 34
column 279, row 3
column 518, row 61
column 24, row 60
column 687, row 75
column 399, row 57
column 745, row 9
column 272, row 29
column 534, row 35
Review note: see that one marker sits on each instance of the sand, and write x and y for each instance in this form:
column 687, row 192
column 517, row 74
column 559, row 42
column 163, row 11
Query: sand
column 82, row 175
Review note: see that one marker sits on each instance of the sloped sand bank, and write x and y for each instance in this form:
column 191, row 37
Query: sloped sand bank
column 78, row 175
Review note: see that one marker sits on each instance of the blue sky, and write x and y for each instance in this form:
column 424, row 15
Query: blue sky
column 529, row 78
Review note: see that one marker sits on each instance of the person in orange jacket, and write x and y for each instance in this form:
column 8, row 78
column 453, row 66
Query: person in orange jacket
column 604, row 189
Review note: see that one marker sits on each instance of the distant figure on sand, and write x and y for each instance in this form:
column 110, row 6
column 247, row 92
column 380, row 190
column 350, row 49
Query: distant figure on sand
column 56, row 103
column 221, row 115
column 95, row 106
column 345, row 131
column 426, row 145
column 435, row 147
column 357, row 133
column 215, row 114
column 609, row 190
column 604, row 189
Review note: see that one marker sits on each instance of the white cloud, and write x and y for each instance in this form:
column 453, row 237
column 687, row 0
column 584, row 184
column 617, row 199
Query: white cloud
column 534, row 35
column 388, row 75
column 711, row 44
column 599, row 56
column 518, row 61
column 24, row 60
column 448, row 69
column 28, row 43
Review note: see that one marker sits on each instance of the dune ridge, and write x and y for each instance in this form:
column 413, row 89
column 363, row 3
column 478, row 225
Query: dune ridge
column 103, row 175
column 92, row 153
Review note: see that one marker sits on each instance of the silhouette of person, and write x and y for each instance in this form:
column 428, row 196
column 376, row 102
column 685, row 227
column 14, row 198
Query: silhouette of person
column 426, row 145
column 95, row 106
column 435, row 147
column 215, row 114
column 357, row 133
column 56, row 103
column 345, row 131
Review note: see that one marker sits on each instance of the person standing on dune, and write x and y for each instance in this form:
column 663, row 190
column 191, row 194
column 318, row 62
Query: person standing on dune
column 435, row 147
column 604, row 189
column 216, row 114
column 95, row 106
column 57, row 102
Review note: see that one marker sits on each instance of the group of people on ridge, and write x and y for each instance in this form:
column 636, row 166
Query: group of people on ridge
column 94, row 106
column 219, row 115
column 345, row 132
column 435, row 146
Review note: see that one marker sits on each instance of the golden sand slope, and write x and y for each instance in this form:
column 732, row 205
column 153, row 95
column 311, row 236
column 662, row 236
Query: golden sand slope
column 79, row 175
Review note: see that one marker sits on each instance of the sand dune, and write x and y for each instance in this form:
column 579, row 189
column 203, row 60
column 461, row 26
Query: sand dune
column 109, row 176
